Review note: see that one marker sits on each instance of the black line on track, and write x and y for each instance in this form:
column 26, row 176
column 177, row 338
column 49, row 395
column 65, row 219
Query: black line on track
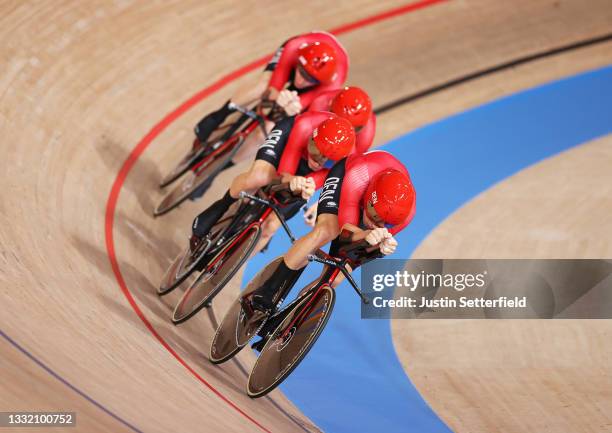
column 491, row 70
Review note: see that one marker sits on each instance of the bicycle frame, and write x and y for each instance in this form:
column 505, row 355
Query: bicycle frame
column 271, row 204
column 336, row 266
column 257, row 120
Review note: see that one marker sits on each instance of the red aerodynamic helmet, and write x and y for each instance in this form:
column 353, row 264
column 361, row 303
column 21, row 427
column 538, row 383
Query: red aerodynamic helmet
column 390, row 197
column 354, row 104
column 334, row 138
column 319, row 61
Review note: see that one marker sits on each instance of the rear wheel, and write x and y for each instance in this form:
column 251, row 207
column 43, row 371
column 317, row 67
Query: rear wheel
column 291, row 341
column 237, row 328
column 216, row 275
column 209, row 168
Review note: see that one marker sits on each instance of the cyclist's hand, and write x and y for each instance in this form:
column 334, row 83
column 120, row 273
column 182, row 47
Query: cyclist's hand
column 388, row 246
column 377, row 235
column 289, row 101
column 310, row 216
column 305, row 185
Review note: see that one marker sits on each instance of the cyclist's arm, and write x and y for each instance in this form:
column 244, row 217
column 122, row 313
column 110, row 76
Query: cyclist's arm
column 319, row 177
column 322, row 101
column 325, row 230
column 365, row 137
column 282, row 63
column 250, row 93
column 292, row 152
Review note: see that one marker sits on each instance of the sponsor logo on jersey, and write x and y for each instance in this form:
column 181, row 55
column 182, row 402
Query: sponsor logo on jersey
column 272, row 139
column 329, row 188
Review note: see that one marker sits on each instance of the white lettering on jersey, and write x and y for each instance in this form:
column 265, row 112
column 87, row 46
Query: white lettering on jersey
column 330, row 186
column 272, row 138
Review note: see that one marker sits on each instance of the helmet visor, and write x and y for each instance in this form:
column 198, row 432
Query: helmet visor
column 314, row 153
column 306, row 76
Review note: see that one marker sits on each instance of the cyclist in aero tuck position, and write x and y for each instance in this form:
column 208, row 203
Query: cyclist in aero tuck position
column 354, row 104
column 368, row 196
column 301, row 69
column 296, row 147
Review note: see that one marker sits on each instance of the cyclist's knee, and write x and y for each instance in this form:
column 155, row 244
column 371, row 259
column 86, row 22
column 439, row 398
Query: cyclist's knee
column 257, row 179
column 270, row 227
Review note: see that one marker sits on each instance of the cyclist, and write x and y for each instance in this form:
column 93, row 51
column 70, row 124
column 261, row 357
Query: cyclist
column 295, row 151
column 368, row 196
column 354, row 104
column 300, row 69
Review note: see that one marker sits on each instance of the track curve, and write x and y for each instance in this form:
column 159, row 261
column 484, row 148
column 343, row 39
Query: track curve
column 82, row 84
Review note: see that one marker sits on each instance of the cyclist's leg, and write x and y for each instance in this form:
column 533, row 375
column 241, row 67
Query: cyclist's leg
column 261, row 173
column 246, row 151
column 245, row 95
column 280, row 281
column 268, row 228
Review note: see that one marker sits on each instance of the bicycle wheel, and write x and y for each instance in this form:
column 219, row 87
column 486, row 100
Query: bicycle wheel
column 290, row 342
column 189, row 160
column 236, row 328
column 183, row 166
column 211, row 166
column 184, row 263
column 217, row 274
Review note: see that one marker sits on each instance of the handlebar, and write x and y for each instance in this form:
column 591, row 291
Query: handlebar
column 251, row 114
column 274, row 190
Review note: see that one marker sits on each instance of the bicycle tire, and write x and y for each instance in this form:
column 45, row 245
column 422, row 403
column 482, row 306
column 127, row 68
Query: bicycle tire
column 187, row 187
column 189, row 160
column 225, row 344
column 171, row 279
column 258, row 386
column 207, row 285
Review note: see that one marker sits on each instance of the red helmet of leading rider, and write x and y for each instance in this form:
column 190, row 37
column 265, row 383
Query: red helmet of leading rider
column 334, row 138
column 318, row 60
column 389, row 198
column 354, row 104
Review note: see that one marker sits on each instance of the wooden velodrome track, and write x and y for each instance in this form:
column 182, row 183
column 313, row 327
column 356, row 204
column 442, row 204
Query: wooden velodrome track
column 82, row 82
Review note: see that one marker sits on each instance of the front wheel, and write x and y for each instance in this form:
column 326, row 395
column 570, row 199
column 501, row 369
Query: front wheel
column 291, row 341
column 183, row 166
column 217, row 274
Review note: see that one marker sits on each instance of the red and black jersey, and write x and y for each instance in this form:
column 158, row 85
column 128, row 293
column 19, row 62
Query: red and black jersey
column 285, row 60
column 346, row 184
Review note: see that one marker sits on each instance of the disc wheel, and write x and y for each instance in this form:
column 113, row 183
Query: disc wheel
column 217, row 274
column 236, row 328
column 291, row 342
column 209, row 168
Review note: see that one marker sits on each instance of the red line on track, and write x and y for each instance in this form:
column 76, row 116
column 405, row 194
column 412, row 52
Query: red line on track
column 113, row 196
